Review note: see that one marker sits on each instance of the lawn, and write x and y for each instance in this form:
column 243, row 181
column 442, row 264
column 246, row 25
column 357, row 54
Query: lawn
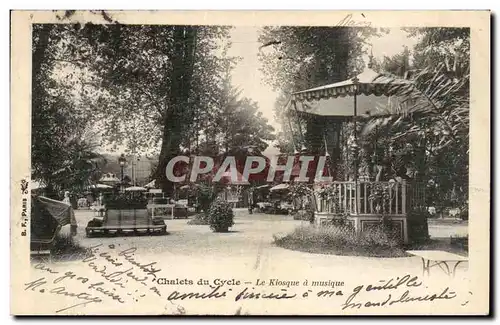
column 334, row 241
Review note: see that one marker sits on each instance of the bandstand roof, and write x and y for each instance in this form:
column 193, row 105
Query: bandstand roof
column 377, row 94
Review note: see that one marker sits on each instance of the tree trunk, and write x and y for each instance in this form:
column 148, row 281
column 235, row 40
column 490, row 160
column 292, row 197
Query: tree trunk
column 39, row 158
column 178, row 117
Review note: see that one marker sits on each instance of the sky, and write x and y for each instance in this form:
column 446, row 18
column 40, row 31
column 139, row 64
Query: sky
column 249, row 79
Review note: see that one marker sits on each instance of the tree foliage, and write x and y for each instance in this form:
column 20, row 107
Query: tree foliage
column 438, row 127
column 144, row 87
column 63, row 147
column 296, row 58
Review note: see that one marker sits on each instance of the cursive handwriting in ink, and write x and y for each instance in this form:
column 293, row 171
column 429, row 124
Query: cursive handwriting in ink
column 251, row 295
column 175, row 295
column 88, row 298
column 149, row 268
column 39, row 285
column 348, row 302
column 348, row 21
column 35, row 284
column 110, row 259
column 71, row 275
column 93, row 250
column 405, row 297
column 390, row 285
column 116, row 277
column 98, row 286
column 43, row 267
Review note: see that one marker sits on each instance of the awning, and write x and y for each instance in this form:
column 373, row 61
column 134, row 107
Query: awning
column 279, row 187
column 100, row 186
column 368, row 83
column 377, row 94
column 136, row 189
column 110, row 179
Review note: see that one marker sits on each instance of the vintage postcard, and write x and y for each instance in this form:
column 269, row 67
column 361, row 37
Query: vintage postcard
column 250, row 162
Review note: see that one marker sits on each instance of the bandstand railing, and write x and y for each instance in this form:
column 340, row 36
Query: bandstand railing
column 363, row 198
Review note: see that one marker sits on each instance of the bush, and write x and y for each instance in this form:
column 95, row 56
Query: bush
column 374, row 242
column 304, row 215
column 206, row 195
column 220, row 216
column 67, row 248
column 95, row 223
column 460, row 242
column 418, row 229
column 126, row 201
column 464, row 211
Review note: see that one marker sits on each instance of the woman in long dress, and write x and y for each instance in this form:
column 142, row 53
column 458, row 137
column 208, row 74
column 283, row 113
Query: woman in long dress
column 66, row 198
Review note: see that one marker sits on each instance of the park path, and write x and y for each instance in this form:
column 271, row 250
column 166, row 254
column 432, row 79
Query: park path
column 250, row 246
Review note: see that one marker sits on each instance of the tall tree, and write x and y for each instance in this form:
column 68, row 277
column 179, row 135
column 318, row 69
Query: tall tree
column 297, row 58
column 398, row 65
column 438, row 126
column 60, row 124
column 153, row 80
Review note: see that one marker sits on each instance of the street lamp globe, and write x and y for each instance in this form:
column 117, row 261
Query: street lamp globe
column 122, row 160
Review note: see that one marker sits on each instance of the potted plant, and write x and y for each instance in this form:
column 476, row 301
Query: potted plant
column 220, row 216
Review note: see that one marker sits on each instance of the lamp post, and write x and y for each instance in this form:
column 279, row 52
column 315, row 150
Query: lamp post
column 122, row 161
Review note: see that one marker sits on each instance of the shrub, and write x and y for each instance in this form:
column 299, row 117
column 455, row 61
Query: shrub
column 460, row 242
column 67, row 248
column 464, row 211
column 418, row 229
column 220, row 216
column 206, row 195
column 126, row 201
column 95, row 223
column 374, row 242
column 304, row 215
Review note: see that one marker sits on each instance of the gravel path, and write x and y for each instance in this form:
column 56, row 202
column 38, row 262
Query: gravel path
column 248, row 245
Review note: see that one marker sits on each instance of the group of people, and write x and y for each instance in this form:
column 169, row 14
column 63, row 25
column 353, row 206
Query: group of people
column 83, row 201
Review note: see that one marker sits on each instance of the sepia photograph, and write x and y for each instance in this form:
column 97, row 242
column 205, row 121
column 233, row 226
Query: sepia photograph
column 201, row 164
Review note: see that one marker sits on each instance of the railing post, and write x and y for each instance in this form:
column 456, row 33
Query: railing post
column 344, row 185
column 358, row 198
column 314, row 200
column 403, row 196
column 339, row 187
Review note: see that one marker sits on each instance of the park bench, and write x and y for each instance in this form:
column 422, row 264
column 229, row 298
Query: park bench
column 120, row 222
